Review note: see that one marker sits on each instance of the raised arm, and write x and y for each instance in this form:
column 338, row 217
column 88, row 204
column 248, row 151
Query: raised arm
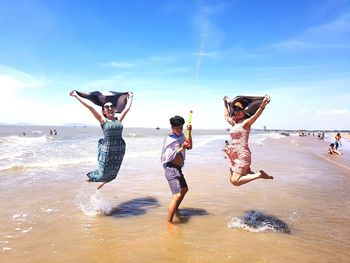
column 88, row 105
column 249, row 122
column 127, row 107
column 226, row 112
column 227, row 117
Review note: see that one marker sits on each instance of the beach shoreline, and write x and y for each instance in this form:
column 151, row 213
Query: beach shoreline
column 218, row 222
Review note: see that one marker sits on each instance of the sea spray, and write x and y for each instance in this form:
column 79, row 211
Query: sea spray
column 257, row 221
column 92, row 205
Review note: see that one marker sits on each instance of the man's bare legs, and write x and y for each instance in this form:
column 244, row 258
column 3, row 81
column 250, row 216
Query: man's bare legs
column 175, row 203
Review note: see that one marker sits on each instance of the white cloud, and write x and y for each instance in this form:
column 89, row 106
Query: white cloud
column 292, row 45
column 12, row 83
column 144, row 62
column 172, row 70
column 336, row 28
column 208, row 54
column 12, row 79
column 121, row 65
column 334, row 112
column 211, row 35
column 302, row 111
column 162, row 59
column 331, row 35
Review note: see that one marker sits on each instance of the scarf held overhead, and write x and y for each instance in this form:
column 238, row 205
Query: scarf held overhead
column 252, row 102
column 118, row 99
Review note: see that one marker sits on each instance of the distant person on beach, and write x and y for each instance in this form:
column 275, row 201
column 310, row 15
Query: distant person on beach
column 322, row 136
column 333, row 150
column 173, row 159
column 337, row 140
column 50, row 132
column 237, row 152
column 54, row 132
column 111, row 148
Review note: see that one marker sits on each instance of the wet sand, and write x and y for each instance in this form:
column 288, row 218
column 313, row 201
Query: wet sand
column 49, row 219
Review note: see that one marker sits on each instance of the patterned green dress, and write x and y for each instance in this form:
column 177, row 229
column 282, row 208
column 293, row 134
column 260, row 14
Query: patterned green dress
column 111, row 150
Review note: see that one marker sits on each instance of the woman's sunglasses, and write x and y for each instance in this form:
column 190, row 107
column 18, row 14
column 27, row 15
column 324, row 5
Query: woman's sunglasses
column 235, row 108
column 109, row 106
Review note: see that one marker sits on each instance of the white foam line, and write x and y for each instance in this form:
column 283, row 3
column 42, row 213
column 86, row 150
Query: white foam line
column 339, row 164
column 51, row 164
column 211, row 139
column 27, row 230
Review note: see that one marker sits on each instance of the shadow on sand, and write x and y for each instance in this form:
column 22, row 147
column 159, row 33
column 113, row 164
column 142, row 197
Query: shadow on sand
column 185, row 214
column 258, row 221
column 135, row 207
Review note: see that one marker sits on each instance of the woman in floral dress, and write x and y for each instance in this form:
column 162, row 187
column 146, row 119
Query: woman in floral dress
column 237, row 150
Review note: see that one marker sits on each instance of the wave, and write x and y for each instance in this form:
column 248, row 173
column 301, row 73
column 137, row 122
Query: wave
column 141, row 154
column 209, row 139
column 11, row 156
column 24, row 140
column 51, row 164
column 259, row 138
column 198, row 142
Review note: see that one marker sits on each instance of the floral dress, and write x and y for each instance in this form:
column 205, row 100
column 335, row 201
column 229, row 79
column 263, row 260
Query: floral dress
column 237, row 151
column 111, row 150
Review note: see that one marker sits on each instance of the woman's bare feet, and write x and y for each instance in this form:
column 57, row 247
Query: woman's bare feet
column 264, row 175
column 100, row 186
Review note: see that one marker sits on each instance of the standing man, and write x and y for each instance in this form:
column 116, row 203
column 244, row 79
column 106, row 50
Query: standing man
column 173, row 158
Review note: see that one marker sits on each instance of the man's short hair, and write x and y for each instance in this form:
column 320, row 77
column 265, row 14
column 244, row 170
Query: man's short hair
column 176, row 121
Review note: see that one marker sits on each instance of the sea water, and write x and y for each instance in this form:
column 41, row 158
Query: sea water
column 50, row 214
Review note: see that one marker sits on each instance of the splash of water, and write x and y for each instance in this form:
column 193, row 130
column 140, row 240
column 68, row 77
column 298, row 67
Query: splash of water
column 256, row 221
column 92, row 205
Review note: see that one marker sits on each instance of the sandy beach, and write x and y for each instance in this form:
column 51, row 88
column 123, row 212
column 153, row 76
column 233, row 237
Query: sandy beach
column 49, row 214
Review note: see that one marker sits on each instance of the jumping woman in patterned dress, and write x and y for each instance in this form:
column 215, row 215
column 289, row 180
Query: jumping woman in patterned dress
column 111, row 148
column 237, row 151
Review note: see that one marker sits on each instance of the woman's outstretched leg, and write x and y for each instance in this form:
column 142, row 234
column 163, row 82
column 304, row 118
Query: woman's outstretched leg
column 100, row 186
column 238, row 179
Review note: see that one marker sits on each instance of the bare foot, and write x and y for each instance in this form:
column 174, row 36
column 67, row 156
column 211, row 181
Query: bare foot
column 100, row 186
column 172, row 228
column 264, row 175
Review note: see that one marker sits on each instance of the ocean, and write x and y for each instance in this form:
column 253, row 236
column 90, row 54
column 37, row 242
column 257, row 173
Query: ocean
column 49, row 213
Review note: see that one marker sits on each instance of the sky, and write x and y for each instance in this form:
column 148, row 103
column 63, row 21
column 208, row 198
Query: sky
column 177, row 56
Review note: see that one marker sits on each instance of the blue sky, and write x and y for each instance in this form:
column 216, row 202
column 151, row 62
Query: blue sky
column 176, row 56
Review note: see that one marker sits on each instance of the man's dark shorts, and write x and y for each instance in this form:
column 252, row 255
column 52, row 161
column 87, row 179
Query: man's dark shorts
column 175, row 177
